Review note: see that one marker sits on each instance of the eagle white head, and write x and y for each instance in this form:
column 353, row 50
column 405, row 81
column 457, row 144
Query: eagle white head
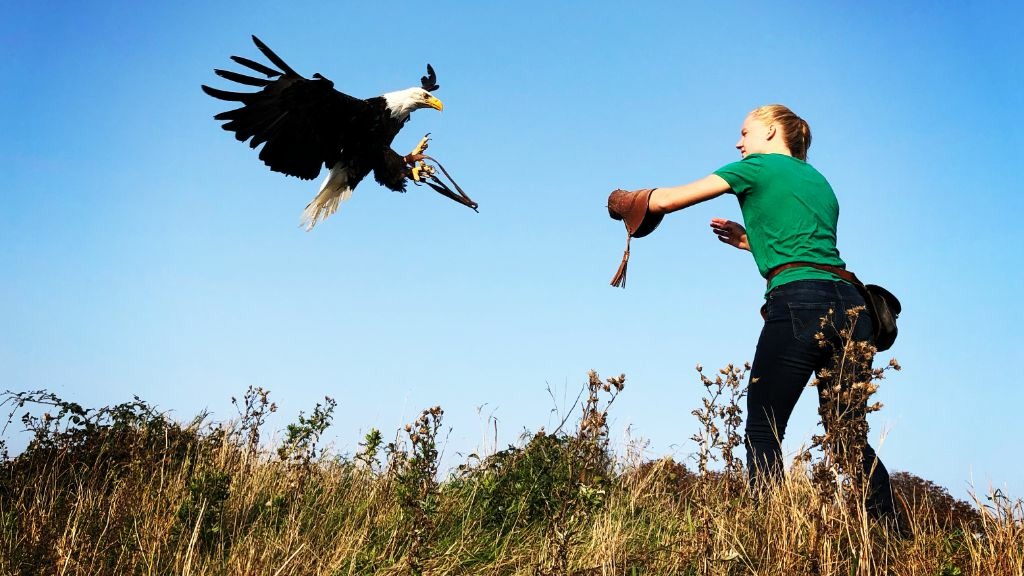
column 401, row 103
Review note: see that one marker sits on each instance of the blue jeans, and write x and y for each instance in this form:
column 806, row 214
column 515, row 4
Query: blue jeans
column 787, row 355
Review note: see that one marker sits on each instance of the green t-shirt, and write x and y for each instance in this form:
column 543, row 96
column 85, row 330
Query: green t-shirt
column 790, row 213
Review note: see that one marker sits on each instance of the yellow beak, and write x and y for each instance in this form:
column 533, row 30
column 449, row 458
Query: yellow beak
column 435, row 103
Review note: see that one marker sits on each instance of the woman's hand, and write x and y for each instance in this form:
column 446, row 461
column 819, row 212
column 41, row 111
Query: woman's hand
column 730, row 232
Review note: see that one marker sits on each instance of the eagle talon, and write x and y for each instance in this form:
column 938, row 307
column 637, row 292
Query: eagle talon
column 421, row 146
column 420, row 171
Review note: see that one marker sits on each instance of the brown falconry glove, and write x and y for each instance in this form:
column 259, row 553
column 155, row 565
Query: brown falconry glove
column 632, row 209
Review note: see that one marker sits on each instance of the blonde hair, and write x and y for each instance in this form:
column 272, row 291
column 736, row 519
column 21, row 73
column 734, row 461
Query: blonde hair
column 795, row 130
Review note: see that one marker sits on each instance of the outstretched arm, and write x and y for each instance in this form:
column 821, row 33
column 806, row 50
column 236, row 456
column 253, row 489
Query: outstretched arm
column 665, row 200
column 730, row 232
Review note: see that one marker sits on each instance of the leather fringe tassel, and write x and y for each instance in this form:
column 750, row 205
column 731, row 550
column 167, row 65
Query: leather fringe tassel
column 619, row 281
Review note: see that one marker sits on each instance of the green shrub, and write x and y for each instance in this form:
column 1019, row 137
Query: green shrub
column 200, row 515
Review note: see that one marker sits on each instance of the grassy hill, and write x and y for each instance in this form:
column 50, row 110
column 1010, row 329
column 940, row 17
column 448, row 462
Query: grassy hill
column 126, row 490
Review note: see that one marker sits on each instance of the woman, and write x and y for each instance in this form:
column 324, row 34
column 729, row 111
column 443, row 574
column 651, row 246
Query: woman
column 790, row 212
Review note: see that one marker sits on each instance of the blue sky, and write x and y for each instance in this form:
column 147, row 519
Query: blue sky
column 144, row 251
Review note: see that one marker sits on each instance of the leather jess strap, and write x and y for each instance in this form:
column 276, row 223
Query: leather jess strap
column 842, row 273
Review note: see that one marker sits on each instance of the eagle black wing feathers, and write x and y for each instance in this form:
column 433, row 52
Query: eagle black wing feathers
column 303, row 123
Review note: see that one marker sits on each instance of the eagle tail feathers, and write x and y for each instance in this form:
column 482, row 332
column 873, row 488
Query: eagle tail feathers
column 334, row 191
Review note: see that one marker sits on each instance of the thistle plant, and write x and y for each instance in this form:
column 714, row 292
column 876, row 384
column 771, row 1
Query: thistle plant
column 841, row 477
column 415, row 475
column 589, row 475
column 299, row 449
column 720, row 418
column 592, row 434
column 252, row 413
column 368, row 449
column 845, row 389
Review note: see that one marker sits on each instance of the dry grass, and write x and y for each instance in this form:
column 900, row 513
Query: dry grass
column 124, row 490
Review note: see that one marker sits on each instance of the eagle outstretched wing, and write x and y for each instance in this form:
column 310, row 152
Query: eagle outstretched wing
column 303, row 123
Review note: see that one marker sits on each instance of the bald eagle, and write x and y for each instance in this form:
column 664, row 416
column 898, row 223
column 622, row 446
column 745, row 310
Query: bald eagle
column 304, row 124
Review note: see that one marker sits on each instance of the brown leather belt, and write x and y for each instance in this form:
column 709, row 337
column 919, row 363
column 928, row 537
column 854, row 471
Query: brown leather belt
column 842, row 273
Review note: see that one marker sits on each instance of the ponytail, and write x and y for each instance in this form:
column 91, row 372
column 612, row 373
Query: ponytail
column 795, row 130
